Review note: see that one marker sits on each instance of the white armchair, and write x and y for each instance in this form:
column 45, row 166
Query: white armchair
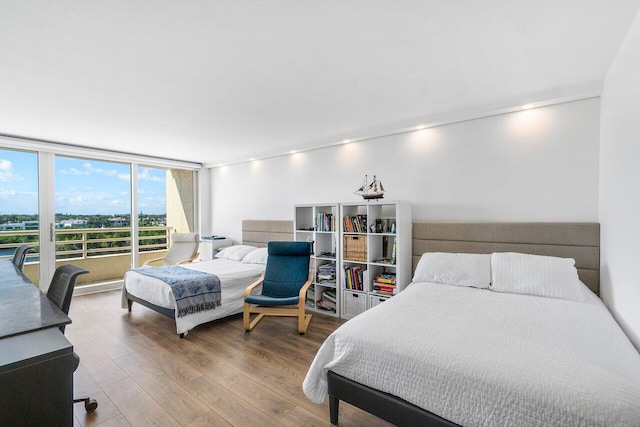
column 183, row 249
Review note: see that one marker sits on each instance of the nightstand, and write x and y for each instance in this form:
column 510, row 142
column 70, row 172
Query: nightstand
column 210, row 247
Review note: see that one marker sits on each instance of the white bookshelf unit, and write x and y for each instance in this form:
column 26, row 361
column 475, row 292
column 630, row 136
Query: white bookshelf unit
column 318, row 223
column 375, row 240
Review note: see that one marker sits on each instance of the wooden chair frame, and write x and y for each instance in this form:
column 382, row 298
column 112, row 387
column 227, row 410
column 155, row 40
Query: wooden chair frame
column 297, row 310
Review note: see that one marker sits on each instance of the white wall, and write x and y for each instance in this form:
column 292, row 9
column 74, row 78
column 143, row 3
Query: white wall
column 620, row 186
column 532, row 165
column 204, row 202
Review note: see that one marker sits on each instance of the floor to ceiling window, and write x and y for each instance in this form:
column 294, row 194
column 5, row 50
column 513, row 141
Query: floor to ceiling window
column 19, row 219
column 93, row 217
column 166, row 203
column 105, row 213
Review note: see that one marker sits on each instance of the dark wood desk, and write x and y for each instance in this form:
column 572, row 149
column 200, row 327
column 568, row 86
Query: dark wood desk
column 36, row 360
column 23, row 308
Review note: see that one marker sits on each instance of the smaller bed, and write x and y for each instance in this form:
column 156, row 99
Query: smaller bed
column 234, row 273
column 153, row 293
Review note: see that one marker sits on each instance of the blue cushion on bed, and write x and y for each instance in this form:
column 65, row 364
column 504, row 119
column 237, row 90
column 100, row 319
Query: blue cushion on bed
column 287, row 270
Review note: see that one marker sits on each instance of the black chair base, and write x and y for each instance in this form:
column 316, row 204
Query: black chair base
column 90, row 405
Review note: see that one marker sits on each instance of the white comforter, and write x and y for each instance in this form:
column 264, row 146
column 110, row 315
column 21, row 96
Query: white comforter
column 482, row 358
column 234, row 277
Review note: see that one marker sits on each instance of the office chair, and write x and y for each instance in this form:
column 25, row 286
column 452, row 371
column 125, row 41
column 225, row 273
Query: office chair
column 60, row 292
column 20, row 255
column 183, row 249
column 284, row 285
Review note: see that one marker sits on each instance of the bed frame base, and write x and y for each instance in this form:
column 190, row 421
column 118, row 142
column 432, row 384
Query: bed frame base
column 167, row 312
column 384, row 405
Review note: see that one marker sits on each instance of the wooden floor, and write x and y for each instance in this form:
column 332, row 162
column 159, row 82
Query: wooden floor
column 142, row 374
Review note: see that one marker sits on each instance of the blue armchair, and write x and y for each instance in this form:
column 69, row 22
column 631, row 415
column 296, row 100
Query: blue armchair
column 284, row 285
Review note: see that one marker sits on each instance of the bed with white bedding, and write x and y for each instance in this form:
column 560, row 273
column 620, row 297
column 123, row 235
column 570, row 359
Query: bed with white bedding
column 234, row 277
column 507, row 339
column 236, row 267
column 483, row 358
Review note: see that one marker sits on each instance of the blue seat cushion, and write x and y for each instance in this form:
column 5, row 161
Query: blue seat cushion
column 270, row 301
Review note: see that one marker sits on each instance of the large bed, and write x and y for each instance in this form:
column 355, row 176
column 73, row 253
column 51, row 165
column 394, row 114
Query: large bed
column 443, row 354
column 234, row 276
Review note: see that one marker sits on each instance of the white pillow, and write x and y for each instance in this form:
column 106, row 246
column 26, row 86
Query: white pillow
column 472, row 270
column 259, row 256
column 535, row 275
column 235, row 253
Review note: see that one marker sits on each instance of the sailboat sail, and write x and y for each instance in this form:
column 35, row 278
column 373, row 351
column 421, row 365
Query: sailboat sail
column 371, row 190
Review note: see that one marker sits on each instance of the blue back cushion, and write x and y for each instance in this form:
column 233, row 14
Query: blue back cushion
column 287, row 268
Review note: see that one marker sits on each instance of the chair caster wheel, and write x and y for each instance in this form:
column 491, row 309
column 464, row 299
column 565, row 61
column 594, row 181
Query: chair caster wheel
column 91, row 405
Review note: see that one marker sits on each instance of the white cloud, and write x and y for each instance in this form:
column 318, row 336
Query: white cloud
column 124, row 176
column 89, row 169
column 90, row 202
column 73, row 171
column 144, row 175
column 5, row 194
column 6, row 165
column 7, row 173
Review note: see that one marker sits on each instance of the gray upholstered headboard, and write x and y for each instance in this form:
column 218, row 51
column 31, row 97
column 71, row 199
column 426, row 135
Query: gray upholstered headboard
column 577, row 240
column 258, row 233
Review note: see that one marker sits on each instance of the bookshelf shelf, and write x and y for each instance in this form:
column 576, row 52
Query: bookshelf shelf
column 374, row 260
column 318, row 223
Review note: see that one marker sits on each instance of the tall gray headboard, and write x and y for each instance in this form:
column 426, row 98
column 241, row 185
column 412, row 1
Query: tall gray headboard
column 577, row 240
column 259, row 232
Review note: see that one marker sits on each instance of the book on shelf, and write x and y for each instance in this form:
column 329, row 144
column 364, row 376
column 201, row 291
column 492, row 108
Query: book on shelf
column 393, row 251
column 384, row 288
column 387, row 278
column 311, row 296
column 325, row 222
column 383, row 293
column 326, row 305
column 326, row 272
column 354, row 278
column 329, row 296
column 327, row 255
column 355, row 224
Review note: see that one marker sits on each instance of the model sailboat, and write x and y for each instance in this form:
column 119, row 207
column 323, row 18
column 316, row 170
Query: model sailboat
column 371, row 190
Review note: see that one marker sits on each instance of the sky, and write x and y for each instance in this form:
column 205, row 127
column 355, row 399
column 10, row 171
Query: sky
column 82, row 187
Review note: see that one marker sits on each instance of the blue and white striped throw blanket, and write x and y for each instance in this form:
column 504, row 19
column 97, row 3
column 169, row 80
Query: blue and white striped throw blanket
column 194, row 291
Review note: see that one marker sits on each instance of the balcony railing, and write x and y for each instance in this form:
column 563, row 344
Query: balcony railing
column 82, row 243
column 105, row 252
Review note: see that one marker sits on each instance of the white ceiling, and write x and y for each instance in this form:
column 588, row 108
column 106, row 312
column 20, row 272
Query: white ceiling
column 213, row 81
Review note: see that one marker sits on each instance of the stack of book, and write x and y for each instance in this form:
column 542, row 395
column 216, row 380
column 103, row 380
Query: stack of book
column 327, row 301
column 324, row 222
column 311, row 296
column 353, row 278
column 326, row 273
column 385, row 284
column 355, row 224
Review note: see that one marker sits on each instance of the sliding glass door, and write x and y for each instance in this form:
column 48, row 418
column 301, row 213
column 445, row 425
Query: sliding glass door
column 93, row 217
column 105, row 214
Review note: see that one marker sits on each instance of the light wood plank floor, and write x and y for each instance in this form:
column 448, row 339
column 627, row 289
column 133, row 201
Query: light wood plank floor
column 142, row 374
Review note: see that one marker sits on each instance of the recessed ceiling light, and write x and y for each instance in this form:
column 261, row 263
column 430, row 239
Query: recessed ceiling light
column 346, row 141
column 252, row 159
column 293, row 151
column 527, row 106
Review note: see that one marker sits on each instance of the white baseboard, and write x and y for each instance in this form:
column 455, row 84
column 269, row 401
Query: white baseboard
column 98, row 287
